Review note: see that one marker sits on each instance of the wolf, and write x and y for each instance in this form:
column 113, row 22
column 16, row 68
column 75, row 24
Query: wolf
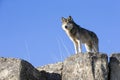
column 80, row 36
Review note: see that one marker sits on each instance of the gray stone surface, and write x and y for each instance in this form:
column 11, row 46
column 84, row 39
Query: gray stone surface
column 52, row 71
column 87, row 66
column 16, row 69
column 115, row 66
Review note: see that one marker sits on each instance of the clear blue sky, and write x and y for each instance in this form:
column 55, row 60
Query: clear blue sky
column 31, row 29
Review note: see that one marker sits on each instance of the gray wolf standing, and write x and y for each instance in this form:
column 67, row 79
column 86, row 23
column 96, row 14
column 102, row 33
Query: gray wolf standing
column 80, row 36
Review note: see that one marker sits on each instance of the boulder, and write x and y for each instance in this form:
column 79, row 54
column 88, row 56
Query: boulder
column 17, row 69
column 88, row 66
column 114, row 66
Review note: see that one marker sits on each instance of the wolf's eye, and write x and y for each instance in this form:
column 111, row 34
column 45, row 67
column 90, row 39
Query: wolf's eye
column 66, row 27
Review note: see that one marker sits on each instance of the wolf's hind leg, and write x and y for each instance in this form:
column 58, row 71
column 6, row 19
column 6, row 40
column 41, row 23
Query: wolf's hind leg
column 88, row 47
column 95, row 48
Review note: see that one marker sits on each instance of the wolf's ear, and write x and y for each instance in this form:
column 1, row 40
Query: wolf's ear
column 70, row 18
column 63, row 19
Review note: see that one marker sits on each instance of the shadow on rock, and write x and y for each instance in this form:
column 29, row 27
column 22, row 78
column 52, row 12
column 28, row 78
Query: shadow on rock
column 50, row 76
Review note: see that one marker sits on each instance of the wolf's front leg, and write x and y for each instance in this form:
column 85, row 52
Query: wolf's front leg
column 76, row 46
column 80, row 46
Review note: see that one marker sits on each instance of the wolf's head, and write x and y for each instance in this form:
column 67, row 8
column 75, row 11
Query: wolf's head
column 67, row 23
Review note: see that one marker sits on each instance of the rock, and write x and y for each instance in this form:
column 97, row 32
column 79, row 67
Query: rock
column 86, row 66
column 16, row 69
column 115, row 66
column 52, row 71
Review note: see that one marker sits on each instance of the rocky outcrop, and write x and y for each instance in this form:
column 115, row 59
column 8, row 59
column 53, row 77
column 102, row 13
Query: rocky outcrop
column 16, row 69
column 114, row 67
column 88, row 66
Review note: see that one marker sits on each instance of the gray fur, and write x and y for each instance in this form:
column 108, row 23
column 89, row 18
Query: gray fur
column 80, row 36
